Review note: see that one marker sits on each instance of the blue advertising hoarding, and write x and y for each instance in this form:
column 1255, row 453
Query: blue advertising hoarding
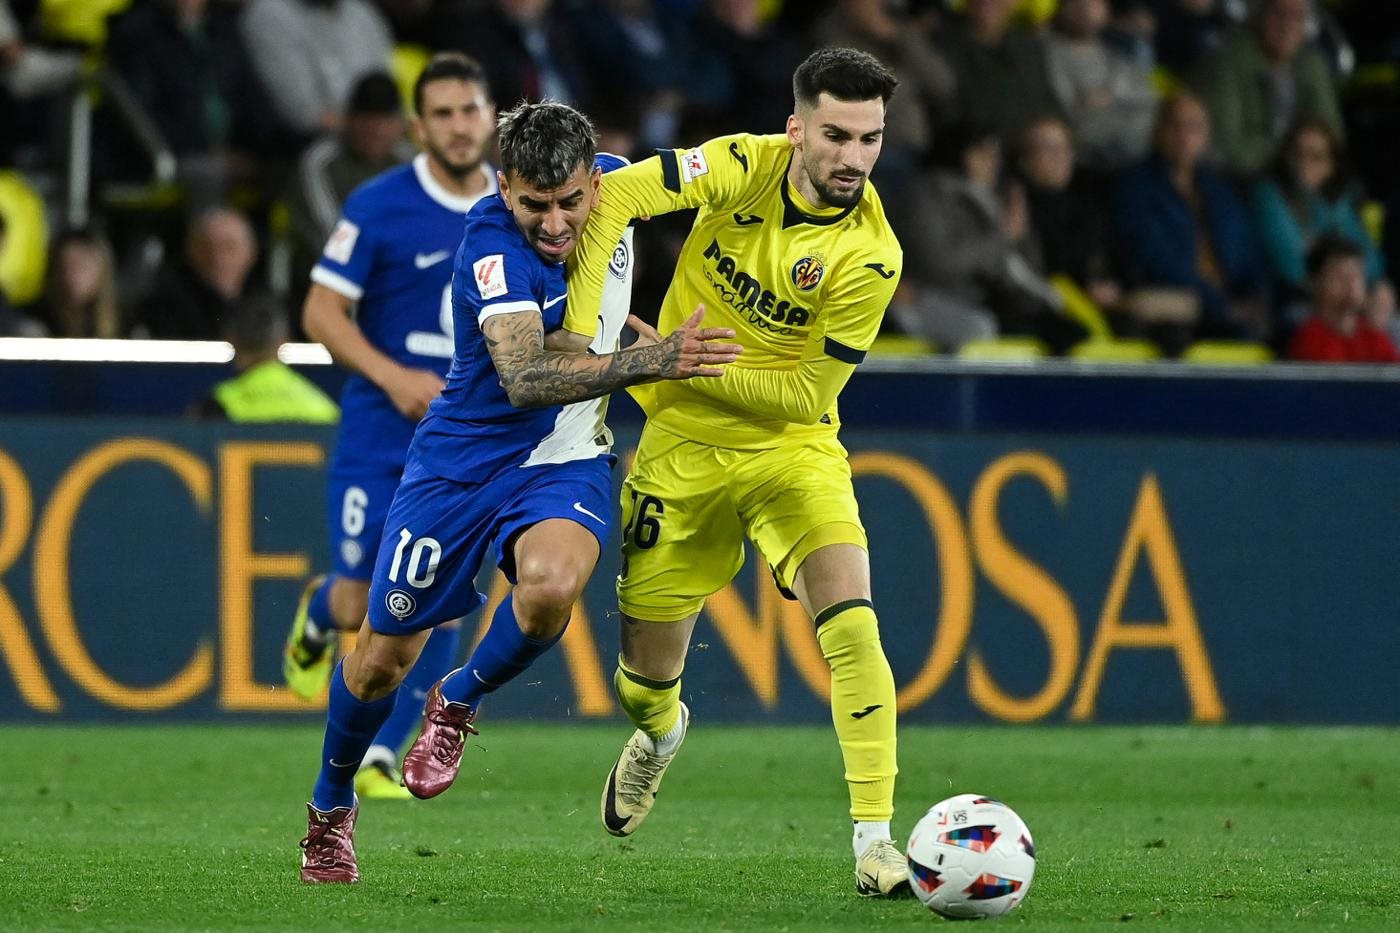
column 148, row 570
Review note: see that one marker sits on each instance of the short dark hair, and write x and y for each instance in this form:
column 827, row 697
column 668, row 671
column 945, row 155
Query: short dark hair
column 1332, row 246
column 545, row 143
column 256, row 325
column 445, row 65
column 845, row 74
column 375, row 93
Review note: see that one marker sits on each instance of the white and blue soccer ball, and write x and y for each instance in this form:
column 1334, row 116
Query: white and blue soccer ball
column 971, row 856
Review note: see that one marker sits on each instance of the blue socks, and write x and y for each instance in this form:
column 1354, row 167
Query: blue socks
column 318, row 611
column 350, row 727
column 503, row 654
column 439, row 654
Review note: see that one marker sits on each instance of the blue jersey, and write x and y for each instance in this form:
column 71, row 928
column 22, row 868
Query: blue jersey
column 392, row 253
column 472, row 431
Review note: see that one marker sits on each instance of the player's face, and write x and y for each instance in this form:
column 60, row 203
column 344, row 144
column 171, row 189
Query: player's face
column 456, row 124
column 838, row 142
column 552, row 219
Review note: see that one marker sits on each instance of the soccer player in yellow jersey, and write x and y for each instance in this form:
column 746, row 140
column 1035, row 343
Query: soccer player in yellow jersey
column 791, row 249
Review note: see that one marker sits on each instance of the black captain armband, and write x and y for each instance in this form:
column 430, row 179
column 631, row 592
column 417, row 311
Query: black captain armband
column 839, row 351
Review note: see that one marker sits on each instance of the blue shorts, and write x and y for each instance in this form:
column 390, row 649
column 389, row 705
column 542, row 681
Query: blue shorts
column 438, row 531
column 356, row 505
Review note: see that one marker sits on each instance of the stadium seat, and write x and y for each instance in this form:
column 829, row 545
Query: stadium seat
column 1111, row 350
column 897, row 346
column 1227, row 353
column 406, row 63
column 1079, row 306
column 1003, row 348
column 25, row 256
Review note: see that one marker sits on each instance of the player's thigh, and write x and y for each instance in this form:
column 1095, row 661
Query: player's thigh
column 435, row 536
column 356, row 506
column 795, row 500
column 681, row 539
column 578, row 492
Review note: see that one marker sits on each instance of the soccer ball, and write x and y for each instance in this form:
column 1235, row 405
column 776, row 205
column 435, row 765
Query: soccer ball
column 971, row 856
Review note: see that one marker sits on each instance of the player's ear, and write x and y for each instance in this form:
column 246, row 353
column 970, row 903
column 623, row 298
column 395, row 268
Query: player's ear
column 794, row 130
column 503, row 185
column 596, row 180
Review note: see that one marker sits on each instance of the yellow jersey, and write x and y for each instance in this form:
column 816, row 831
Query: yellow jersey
column 803, row 287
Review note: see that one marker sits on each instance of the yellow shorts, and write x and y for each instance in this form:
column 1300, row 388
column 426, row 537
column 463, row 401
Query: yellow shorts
column 687, row 507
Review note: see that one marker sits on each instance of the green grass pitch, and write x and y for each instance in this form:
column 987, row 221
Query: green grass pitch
column 138, row 828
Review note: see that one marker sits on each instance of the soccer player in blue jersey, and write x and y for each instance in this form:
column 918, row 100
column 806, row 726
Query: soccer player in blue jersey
column 514, row 453
column 380, row 302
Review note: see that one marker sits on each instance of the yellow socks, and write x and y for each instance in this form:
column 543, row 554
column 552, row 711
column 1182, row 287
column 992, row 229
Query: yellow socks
column 653, row 705
column 862, row 705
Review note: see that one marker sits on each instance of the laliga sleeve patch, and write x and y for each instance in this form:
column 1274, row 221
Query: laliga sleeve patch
column 490, row 273
column 693, row 165
column 341, row 245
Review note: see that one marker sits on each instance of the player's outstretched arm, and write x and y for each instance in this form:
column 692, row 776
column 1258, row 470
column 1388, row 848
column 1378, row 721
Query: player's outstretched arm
column 326, row 319
column 533, row 376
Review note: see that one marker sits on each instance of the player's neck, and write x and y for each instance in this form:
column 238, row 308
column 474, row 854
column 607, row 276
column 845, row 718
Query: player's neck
column 466, row 186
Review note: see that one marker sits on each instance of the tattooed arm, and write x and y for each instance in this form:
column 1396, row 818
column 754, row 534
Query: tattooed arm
column 534, row 377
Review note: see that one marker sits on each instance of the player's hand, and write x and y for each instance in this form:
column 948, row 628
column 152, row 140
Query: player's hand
column 412, row 390
column 692, row 350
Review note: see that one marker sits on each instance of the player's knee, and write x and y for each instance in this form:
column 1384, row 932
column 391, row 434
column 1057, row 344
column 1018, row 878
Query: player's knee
column 375, row 667
column 542, row 612
column 548, row 589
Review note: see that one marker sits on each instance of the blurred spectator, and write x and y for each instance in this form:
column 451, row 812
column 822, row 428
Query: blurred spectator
column 191, row 299
column 80, row 290
column 1001, row 68
column 1183, row 228
column 28, row 70
column 12, row 323
column 927, row 85
column 1307, row 195
column 1132, row 31
column 743, row 72
column 309, row 53
column 1263, row 81
column 1109, row 99
column 1189, row 31
column 970, row 265
column 527, row 52
column 33, row 79
column 645, row 53
column 1339, row 330
column 333, row 166
column 265, row 389
column 184, row 62
column 1068, row 215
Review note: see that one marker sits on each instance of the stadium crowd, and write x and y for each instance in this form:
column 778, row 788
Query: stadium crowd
column 1140, row 175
